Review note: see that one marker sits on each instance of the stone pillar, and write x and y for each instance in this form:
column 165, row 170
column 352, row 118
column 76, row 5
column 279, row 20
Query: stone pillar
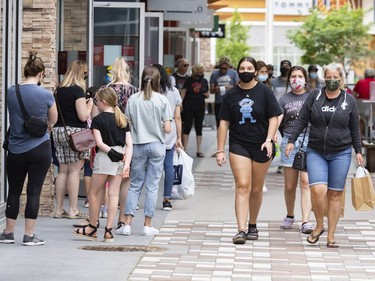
column 39, row 19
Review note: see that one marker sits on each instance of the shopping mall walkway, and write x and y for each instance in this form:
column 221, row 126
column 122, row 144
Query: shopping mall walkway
column 195, row 241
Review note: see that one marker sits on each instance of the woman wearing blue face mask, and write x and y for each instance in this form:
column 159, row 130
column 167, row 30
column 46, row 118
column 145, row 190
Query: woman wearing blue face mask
column 313, row 81
column 291, row 104
column 262, row 76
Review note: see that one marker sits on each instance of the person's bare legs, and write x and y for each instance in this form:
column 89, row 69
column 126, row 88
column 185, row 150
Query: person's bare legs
column 125, row 183
column 73, row 186
column 242, row 172
column 199, row 144
column 305, row 197
column 96, row 192
column 60, row 188
column 113, row 196
column 318, row 200
column 290, row 187
column 185, row 141
column 334, row 206
column 259, row 172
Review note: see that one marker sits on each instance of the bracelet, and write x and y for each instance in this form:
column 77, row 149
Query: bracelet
column 219, row 151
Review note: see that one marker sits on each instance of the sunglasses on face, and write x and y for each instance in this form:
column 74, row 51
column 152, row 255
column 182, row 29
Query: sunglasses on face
column 186, row 65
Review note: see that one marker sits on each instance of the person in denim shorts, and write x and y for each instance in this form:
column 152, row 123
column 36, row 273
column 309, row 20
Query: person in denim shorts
column 291, row 104
column 249, row 111
column 334, row 130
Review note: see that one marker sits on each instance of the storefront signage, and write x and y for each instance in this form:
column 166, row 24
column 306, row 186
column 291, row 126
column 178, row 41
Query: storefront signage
column 220, row 33
column 292, row 7
column 181, row 10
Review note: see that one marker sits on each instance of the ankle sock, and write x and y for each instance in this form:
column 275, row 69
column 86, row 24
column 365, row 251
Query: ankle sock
column 252, row 225
column 290, row 217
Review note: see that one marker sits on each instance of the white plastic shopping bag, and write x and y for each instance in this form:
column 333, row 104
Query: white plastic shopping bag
column 277, row 159
column 184, row 184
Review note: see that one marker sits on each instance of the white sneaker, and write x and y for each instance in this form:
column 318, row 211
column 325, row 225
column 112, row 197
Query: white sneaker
column 124, row 230
column 149, row 231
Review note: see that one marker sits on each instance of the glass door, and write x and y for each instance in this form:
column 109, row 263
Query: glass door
column 154, row 38
column 115, row 29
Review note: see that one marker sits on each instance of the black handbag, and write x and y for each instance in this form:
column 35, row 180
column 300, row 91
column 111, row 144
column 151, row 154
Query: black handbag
column 34, row 125
column 299, row 162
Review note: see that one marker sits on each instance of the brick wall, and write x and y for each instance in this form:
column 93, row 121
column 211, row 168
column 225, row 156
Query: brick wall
column 39, row 33
column 75, row 25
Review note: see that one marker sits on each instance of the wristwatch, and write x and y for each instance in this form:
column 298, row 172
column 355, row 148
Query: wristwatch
column 270, row 140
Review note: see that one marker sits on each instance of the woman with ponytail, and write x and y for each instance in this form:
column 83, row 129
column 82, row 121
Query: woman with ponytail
column 149, row 114
column 28, row 155
column 112, row 161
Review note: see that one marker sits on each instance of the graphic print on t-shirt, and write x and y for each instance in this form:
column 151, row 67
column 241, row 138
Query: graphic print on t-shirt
column 196, row 87
column 246, row 109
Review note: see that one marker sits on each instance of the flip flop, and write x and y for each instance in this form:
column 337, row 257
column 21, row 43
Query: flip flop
column 63, row 215
column 314, row 238
column 332, row 244
column 79, row 215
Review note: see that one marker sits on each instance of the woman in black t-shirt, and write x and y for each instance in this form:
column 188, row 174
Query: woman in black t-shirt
column 249, row 111
column 75, row 109
column 112, row 161
column 193, row 95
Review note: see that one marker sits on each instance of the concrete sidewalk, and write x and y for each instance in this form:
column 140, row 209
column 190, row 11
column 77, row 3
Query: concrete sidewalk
column 195, row 241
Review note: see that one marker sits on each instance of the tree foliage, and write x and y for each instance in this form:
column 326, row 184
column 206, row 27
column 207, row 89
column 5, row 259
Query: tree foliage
column 340, row 36
column 234, row 45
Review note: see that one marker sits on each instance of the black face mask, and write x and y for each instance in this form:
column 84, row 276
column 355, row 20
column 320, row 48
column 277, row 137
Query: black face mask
column 246, row 77
column 199, row 77
column 284, row 71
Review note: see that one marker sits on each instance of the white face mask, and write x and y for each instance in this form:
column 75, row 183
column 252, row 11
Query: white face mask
column 297, row 83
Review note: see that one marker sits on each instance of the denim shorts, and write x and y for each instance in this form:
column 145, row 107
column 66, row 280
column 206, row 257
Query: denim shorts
column 331, row 169
column 288, row 161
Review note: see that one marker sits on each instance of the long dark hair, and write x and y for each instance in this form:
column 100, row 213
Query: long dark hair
column 249, row 59
column 164, row 79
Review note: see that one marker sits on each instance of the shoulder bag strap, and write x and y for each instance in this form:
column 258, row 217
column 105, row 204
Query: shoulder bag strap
column 62, row 117
column 19, row 98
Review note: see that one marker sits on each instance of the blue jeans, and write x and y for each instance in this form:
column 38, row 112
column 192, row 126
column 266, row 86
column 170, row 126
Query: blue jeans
column 331, row 169
column 147, row 168
column 168, row 172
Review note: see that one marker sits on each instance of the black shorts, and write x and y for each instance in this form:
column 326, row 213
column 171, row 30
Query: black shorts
column 252, row 152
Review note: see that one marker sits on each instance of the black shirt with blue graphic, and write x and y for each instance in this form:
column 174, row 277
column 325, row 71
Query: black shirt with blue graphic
column 248, row 112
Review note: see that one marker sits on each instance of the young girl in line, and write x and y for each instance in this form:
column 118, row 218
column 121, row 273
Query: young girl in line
column 112, row 136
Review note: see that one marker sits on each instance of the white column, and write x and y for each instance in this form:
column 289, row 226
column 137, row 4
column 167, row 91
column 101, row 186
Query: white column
column 269, row 33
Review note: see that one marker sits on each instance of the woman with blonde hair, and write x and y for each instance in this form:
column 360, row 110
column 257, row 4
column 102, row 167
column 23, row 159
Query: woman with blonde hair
column 121, row 77
column 112, row 161
column 149, row 115
column 75, row 109
column 193, row 94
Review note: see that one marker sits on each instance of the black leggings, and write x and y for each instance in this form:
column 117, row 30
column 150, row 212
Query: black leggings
column 193, row 114
column 35, row 164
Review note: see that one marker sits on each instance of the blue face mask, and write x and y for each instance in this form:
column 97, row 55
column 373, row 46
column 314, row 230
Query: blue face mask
column 313, row 75
column 262, row 77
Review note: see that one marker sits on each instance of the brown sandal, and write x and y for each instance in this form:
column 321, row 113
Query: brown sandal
column 312, row 239
column 81, row 232
column 332, row 244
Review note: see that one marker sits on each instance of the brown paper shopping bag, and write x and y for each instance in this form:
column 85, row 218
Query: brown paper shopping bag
column 363, row 195
column 342, row 201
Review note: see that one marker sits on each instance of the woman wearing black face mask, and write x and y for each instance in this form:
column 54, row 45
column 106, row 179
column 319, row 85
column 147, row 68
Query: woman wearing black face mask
column 28, row 155
column 249, row 111
column 193, row 94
